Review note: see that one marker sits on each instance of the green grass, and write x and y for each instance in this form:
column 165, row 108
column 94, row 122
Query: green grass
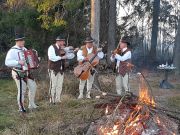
column 174, row 102
column 7, row 103
column 68, row 118
column 42, row 121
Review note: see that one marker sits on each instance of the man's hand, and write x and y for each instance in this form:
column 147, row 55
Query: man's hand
column 99, row 49
column 86, row 59
column 64, row 57
column 21, row 62
column 113, row 56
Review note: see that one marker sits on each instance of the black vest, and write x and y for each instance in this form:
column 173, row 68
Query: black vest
column 58, row 66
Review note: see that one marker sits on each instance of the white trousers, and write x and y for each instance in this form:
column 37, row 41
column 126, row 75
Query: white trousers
column 122, row 83
column 22, row 86
column 56, row 84
column 82, row 83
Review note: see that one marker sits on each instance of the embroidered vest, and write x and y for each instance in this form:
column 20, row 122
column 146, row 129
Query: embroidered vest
column 58, row 66
column 125, row 66
column 85, row 51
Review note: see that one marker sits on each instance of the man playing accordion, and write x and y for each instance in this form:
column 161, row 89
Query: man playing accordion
column 22, row 78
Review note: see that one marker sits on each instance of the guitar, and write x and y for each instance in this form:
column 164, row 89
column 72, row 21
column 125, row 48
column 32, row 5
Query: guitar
column 82, row 71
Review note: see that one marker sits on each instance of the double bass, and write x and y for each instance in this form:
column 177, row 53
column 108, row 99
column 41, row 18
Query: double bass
column 82, row 71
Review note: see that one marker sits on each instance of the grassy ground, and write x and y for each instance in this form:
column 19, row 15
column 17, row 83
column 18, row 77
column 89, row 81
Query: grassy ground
column 72, row 116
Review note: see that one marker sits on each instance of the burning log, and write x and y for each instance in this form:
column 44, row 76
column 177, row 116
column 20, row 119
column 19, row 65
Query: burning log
column 132, row 115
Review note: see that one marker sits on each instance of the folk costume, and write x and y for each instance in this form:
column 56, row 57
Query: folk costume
column 81, row 55
column 123, row 59
column 56, row 68
column 23, row 79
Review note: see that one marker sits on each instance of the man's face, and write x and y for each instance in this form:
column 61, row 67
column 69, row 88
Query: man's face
column 123, row 45
column 20, row 43
column 89, row 45
column 60, row 43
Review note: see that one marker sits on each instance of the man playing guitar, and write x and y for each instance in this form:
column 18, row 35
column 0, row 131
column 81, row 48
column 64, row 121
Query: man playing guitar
column 82, row 56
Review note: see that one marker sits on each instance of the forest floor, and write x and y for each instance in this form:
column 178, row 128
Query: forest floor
column 72, row 116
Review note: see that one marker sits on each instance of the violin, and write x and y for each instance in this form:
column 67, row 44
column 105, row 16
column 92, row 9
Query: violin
column 62, row 52
column 117, row 51
column 69, row 52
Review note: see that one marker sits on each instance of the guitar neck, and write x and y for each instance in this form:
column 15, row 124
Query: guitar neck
column 93, row 57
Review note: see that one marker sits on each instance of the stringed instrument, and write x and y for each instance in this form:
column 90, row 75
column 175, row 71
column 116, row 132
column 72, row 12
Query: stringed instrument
column 117, row 50
column 68, row 52
column 82, row 71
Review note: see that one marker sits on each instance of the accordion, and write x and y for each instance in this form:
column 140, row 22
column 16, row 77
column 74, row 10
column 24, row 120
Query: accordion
column 31, row 59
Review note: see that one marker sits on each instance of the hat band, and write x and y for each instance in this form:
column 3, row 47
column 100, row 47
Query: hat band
column 19, row 39
column 60, row 39
column 89, row 41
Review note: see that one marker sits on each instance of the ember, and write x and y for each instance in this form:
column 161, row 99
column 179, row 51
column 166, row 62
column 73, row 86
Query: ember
column 140, row 118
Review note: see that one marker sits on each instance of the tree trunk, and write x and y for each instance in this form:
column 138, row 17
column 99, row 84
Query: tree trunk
column 104, row 28
column 95, row 20
column 104, row 22
column 111, row 28
column 177, row 49
column 156, row 10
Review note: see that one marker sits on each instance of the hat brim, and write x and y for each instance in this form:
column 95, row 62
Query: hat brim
column 89, row 41
column 19, row 39
column 60, row 39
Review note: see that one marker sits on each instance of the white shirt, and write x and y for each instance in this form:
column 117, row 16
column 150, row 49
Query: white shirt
column 80, row 56
column 119, row 58
column 52, row 55
column 12, row 57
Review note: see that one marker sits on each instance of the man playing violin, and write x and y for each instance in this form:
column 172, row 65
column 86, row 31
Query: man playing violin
column 82, row 56
column 56, row 67
column 122, row 56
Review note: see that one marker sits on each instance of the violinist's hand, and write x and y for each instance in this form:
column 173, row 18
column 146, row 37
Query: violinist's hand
column 64, row 57
column 99, row 49
column 76, row 49
column 113, row 55
column 21, row 62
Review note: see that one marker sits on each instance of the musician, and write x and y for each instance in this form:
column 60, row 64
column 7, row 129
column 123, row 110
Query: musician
column 82, row 54
column 23, row 79
column 56, row 67
column 122, row 56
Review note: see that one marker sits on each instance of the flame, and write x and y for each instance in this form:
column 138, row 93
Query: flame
column 109, row 131
column 140, row 114
column 134, row 125
column 107, row 110
column 144, row 95
column 158, row 120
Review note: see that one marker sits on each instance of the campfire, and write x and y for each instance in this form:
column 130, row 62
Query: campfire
column 133, row 115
